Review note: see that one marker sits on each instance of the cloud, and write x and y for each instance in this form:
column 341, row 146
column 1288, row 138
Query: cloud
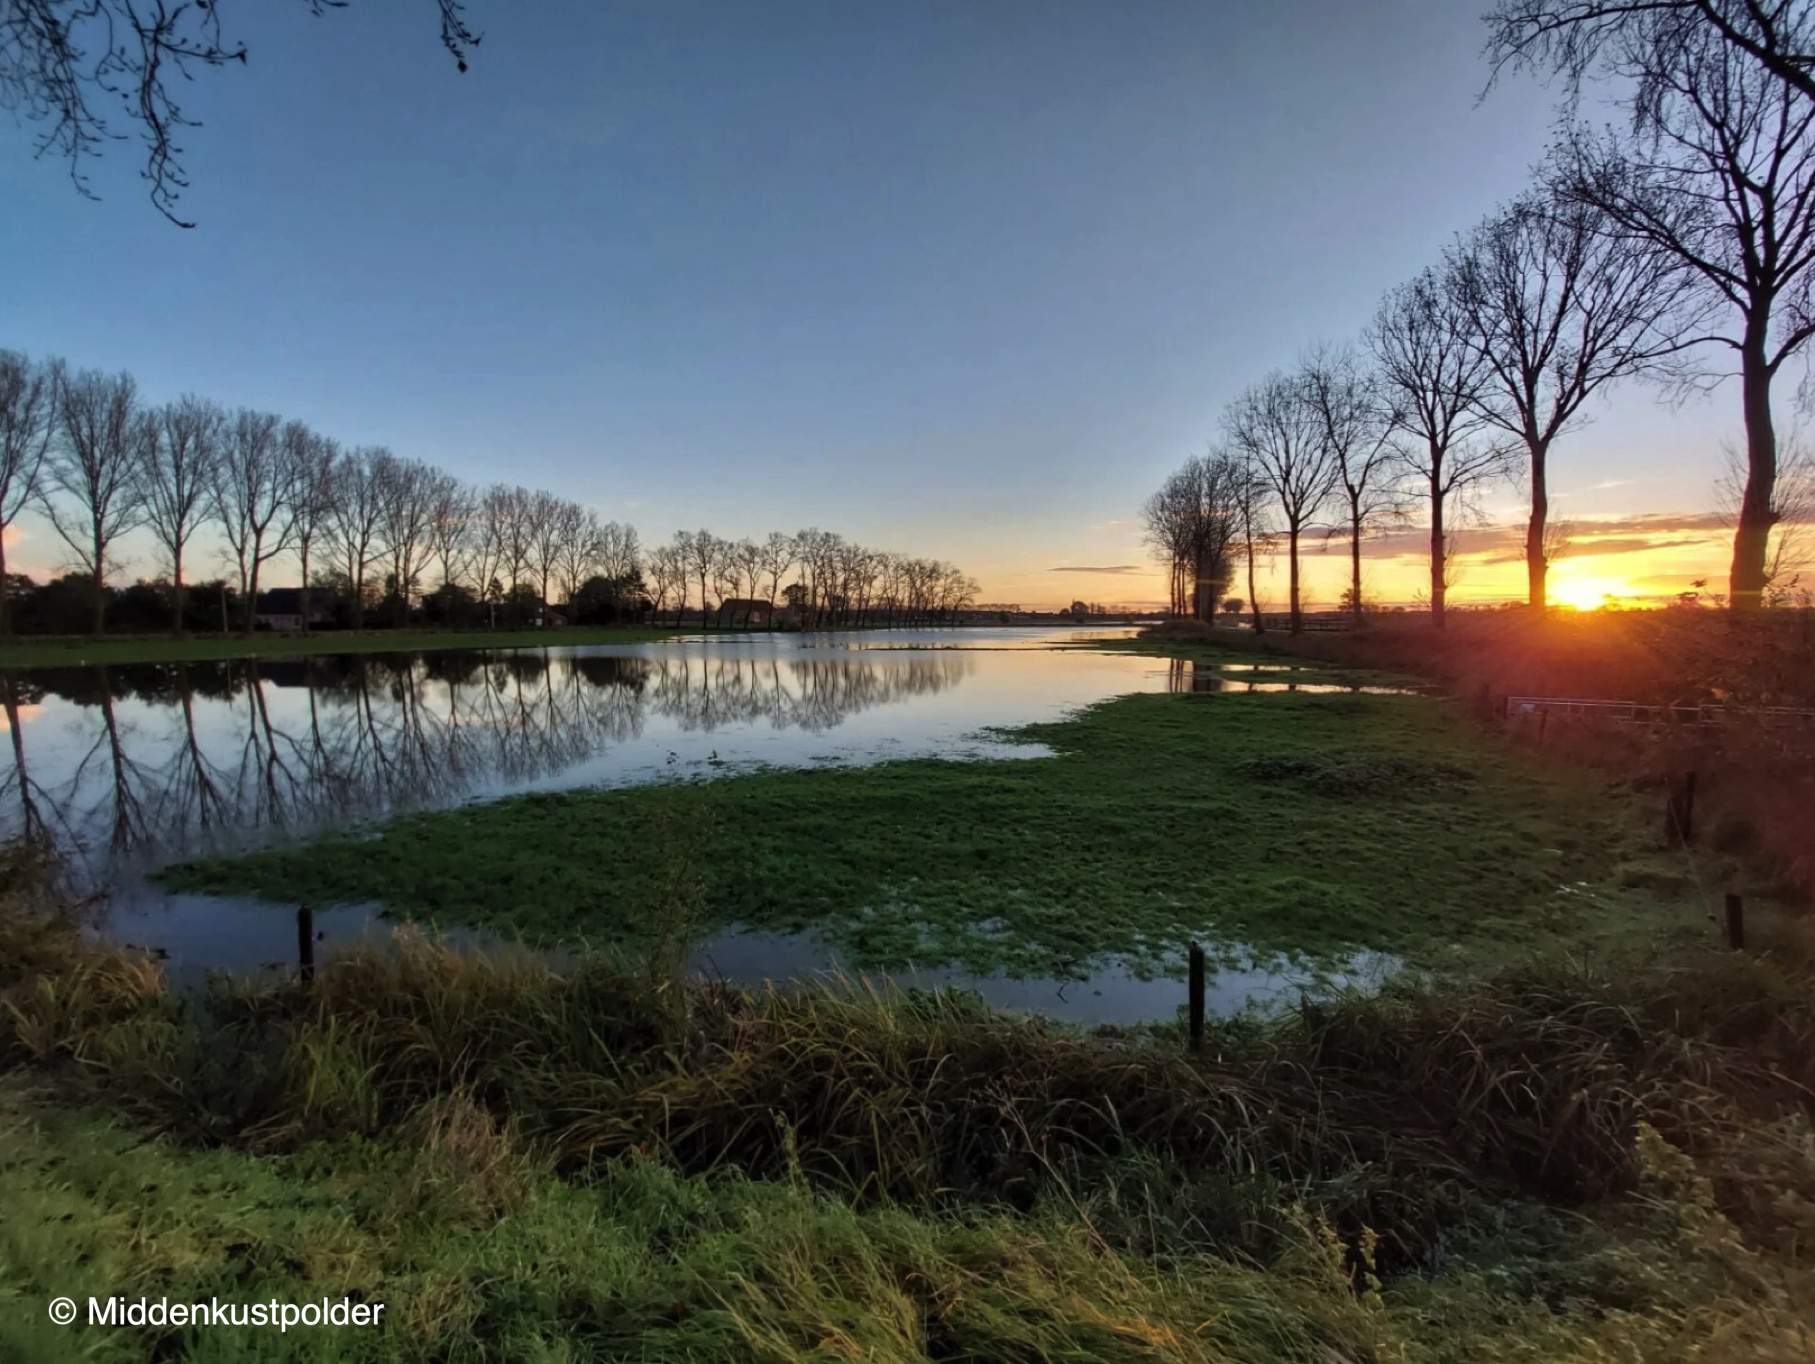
column 1588, row 536
column 1111, row 568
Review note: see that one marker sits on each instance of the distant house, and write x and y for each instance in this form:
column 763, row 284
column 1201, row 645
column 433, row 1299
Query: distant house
column 281, row 609
column 745, row 611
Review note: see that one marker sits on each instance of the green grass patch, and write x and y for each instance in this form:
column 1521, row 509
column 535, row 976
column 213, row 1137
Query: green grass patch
column 1311, row 824
column 65, row 652
column 639, row 1263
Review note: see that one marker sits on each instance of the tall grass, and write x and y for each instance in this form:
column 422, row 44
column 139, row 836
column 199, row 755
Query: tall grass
column 1387, row 1114
column 560, row 1163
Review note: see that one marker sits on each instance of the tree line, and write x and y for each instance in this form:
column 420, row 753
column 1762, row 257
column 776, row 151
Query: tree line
column 369, row 531
column 1638, row 251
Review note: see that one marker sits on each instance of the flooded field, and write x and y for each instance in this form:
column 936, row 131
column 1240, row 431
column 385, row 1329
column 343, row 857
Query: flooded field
column 129, row 767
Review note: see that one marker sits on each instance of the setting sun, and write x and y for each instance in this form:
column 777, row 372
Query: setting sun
column 1591, row 594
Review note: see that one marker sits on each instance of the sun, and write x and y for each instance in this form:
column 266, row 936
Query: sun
column 1590, row 594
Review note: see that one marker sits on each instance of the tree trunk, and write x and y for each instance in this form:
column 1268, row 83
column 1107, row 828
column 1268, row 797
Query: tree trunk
column 1751, row 539
column 1439, row 551
column 302, row 594
column 252, row 595
column 1298, row 620
column 100, row 586
column 6, row 619
column 176, row 590
column 1355, row 558
column 1536, row 567
column 1253, row 598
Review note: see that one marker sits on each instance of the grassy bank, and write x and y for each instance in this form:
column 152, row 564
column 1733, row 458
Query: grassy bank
column 1756, row 771
column 76, row 650
column 1319, row 824
column 1547, row 1165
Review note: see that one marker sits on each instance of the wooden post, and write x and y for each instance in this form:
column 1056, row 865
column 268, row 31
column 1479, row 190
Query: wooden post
column 1736, row 922
column 305, row 944
column 1679, row 812
column 1196, row 999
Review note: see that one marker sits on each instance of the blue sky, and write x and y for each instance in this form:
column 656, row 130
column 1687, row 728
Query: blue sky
column 962, row 279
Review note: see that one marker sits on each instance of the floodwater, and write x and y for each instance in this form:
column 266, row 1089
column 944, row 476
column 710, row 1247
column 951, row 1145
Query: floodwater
column 129, row 767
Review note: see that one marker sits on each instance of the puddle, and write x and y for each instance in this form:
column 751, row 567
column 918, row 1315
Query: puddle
column 198, row 934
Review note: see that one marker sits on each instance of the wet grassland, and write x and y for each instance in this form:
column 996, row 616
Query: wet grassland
column 1581, row 1132
column 1309, row 825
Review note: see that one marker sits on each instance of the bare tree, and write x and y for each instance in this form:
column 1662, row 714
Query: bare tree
column 1573, row 37
column 310, row 461
column 359, row 481
column 485, row 545
column 1792, row 546
column 1434, row 377
column 667, row 578
column 1559, row 305
column 64, row 62
column 508, row 510
column 750, row 557
column 543, row 513
column 701, row 550
column 95, row 462
column 778, row 557
column 577, row 547
column 407, row 498
column 250, row 497
column 28, row 424
column 1359, row 424
column 1717, row 172
column 1257, row 535
column 1277, row 428
column 176, row 478
column 1192, row 523
column 451, row 513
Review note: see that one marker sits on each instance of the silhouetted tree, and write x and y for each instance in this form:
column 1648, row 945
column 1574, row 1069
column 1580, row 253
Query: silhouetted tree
column 1716, row 170
column 1191, row 523
column 1358, row 423
column 28, row 424
column 78, row 67
column 1559, row 305
column 94, row 462
column 1572, row 37
column 1434, row 377
column 177, row 473
column 250, row 497
column 1276, row 427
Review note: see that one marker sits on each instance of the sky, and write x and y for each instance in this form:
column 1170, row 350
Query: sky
column 964, row 280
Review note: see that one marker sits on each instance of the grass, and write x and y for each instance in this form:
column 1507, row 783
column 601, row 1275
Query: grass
column 85, row 649
column 1758, row 777
column 1554, row 1163
column 1312, row 824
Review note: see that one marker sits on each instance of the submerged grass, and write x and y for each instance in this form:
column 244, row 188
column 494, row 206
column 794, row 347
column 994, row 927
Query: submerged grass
column 1308, row 824
column 1554, row 1163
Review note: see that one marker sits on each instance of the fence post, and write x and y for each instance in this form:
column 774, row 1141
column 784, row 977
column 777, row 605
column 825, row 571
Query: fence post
column 1736, row 922
column 1195, row 1003
column 1679, row 812
column 305, row 944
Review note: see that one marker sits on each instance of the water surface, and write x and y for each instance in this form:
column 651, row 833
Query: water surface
column 128, row 767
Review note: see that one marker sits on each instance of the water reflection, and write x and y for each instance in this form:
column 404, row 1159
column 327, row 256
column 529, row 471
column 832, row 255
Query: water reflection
column 1184, row 676
column 124, row 765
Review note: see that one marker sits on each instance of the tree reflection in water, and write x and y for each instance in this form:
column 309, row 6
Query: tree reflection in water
column 161, row 760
